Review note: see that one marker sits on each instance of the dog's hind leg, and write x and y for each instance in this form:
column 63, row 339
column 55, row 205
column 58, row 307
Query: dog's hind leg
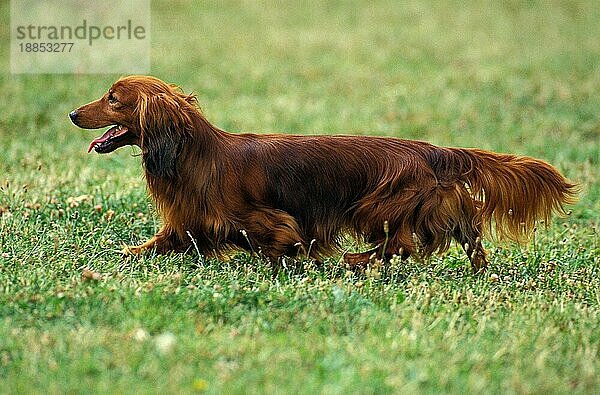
column 451, row 212
column 467, row 232
column 470, row 241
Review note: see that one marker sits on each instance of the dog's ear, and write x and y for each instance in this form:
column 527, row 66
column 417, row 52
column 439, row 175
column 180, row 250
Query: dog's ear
column 164, row 124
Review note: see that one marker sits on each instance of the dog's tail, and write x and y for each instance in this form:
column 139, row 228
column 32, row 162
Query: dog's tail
column 512, row 192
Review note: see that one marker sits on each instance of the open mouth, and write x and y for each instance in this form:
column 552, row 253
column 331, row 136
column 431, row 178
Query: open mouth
column 115, row 137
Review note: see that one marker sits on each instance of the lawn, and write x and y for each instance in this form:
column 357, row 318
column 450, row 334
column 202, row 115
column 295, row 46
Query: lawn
column 518, row 77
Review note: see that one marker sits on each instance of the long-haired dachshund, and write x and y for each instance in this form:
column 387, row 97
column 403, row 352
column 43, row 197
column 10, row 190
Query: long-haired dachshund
column 289, row 195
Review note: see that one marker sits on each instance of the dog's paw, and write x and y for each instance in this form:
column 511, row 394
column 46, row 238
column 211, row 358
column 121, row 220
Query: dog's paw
column 131, row 250
column 358, row 260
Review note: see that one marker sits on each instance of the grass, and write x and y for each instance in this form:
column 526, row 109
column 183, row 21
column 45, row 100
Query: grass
column 515, row 76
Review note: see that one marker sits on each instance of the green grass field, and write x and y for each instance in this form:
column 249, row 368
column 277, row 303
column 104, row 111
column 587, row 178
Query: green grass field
column 519, row 77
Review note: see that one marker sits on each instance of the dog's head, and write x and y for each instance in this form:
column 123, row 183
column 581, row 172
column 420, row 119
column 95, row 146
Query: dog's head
column 142, row 111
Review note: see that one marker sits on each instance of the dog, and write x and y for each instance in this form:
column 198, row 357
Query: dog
column 286, row 195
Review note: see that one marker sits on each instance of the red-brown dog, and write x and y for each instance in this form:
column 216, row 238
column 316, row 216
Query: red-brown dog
column 287, row 194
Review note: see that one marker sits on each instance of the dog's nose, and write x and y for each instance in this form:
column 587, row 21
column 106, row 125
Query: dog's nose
column 73, row 115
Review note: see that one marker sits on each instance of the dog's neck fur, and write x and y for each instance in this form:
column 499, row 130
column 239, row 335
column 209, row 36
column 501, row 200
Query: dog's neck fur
column 202, row 152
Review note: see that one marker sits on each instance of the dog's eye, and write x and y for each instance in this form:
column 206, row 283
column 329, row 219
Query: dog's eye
column 112, row 99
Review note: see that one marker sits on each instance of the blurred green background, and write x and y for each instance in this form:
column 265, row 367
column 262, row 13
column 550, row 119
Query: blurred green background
column 514, row 76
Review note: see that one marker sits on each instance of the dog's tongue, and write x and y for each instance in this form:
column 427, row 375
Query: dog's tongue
column 112, row 132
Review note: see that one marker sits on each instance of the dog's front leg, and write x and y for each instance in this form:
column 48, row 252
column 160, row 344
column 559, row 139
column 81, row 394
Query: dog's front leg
column 164, row 241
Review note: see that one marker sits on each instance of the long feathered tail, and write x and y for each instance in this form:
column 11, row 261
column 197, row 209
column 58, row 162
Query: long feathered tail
column 513, row 192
